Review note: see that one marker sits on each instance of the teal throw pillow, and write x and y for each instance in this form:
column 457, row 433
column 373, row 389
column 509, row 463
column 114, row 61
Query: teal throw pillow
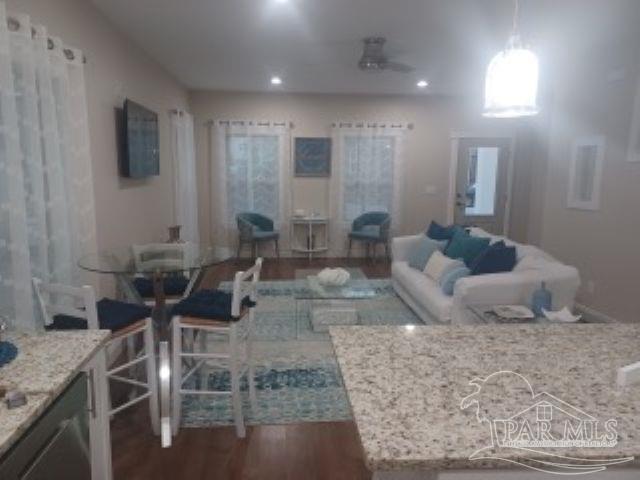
column 466, row 247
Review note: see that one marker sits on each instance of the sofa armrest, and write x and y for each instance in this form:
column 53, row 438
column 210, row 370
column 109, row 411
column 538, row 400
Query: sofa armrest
column 401, row 246
column 517, row 287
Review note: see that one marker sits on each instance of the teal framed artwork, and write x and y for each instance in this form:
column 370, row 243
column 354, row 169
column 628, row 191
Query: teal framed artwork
column 312, row 157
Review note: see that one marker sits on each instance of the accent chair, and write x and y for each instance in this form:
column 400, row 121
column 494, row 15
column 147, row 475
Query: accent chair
column 255, row 228
column 371, row 228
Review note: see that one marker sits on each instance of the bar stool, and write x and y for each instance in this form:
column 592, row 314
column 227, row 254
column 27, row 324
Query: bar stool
column 226, row 315
column 75, row 308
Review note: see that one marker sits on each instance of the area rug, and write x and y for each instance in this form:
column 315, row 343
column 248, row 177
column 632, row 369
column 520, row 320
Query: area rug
column 297, row 376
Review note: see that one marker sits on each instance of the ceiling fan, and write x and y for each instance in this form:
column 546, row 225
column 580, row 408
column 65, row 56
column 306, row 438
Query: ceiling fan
column 374, row 60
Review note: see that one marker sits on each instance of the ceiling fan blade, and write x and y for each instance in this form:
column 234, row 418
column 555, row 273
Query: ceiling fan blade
column 399, row 67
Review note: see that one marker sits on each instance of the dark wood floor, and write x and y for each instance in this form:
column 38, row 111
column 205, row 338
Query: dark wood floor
column 308, row 451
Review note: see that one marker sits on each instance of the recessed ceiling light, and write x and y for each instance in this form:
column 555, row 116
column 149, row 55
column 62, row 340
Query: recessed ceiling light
column 422, row 84
column 276, row 81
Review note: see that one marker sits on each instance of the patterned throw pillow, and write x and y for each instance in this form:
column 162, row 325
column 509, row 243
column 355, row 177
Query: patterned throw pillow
column 439, row 264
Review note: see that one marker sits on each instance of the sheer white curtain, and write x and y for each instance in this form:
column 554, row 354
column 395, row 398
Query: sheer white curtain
column 185, row 188
column 368, row 175
column 250, row 172
column 46, row 190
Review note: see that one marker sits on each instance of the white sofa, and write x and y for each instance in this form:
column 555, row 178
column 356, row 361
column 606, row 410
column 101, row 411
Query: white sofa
column 425, row 297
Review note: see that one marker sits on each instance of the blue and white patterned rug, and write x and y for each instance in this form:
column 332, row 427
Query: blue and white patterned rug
column 297, row 376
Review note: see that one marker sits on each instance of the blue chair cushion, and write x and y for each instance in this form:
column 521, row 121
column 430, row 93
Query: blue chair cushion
column 174, row 285
column 369, row 218
column 209, row 304
column 112, row 315
column 368, row 232
column 264, row 235
column 260, row 221
column 498, row 258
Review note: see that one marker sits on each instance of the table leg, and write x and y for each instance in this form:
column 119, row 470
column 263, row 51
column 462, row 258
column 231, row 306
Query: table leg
column 160, row 306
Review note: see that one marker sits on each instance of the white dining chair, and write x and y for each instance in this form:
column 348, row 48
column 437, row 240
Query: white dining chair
column 165, row 257
column 226, row 316
column 75, row 308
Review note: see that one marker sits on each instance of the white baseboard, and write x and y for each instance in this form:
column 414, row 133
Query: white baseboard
column 592, row 315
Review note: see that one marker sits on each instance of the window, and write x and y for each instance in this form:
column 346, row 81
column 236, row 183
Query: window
column 253, row 175
column 586, row 173
column 368, row 175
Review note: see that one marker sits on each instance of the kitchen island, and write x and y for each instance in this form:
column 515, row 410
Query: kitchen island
column 424, row 397
column 46, row 365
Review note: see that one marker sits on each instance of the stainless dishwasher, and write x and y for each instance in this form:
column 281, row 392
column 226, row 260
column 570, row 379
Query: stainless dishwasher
column 56, row 447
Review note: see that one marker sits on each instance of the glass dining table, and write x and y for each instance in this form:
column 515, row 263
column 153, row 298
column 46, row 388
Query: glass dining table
column 155, row 262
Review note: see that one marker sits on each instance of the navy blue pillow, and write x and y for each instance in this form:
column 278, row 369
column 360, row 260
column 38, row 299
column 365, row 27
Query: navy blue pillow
column 438, row 232
column 209, row 304
column 498, row 258
column 174, row 285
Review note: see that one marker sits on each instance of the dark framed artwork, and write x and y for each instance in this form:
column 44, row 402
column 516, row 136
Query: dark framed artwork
column 312, row 157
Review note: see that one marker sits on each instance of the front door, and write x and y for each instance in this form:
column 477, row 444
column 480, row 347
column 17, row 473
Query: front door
column 481, row 184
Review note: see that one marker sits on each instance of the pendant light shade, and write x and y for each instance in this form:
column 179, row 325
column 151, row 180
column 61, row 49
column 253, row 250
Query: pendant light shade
column 511, row 84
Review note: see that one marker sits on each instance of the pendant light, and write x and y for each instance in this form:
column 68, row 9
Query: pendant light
column 511, row 84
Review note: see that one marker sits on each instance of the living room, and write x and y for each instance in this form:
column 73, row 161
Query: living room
column 315, row 229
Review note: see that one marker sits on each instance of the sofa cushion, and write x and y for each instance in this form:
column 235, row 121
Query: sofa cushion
column 420, row 254
column 532, row 262
column 368, row 232
column 423, row 290
column 466, row 247
column 498, row 258
column 438, row 232
column 439, row 265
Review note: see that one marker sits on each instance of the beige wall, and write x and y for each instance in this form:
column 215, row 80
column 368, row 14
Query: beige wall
column 427, row 146
column 127, row 211
column 593, row 95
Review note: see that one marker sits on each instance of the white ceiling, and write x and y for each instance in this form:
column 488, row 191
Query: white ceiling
column 314, row 45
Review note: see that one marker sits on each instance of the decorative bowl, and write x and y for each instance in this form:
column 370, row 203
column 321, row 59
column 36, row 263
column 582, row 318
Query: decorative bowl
column 333, row 277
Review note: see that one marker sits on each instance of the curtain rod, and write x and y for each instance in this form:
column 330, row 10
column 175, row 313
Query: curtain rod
column 361, row 124
column 14, row 25
column 256, row 123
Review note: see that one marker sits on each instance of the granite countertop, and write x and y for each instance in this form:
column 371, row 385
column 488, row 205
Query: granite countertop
column 45, row 365
column 406, row 387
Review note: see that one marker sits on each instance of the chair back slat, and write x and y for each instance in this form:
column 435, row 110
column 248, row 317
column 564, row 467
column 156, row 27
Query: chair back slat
column 161, row 256
column 245, row 284
column 57, row 299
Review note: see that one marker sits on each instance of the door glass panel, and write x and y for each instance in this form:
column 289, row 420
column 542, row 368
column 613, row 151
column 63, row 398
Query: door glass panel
column 482, row 180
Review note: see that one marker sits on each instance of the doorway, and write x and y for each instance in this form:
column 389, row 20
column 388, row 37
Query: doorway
column 481, row 184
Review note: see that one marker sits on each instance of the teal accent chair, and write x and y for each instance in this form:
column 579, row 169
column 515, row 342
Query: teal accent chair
column 371, row 228
column 253, row 229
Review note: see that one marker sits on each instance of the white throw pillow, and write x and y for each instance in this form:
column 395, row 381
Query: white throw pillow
column 439, row 265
